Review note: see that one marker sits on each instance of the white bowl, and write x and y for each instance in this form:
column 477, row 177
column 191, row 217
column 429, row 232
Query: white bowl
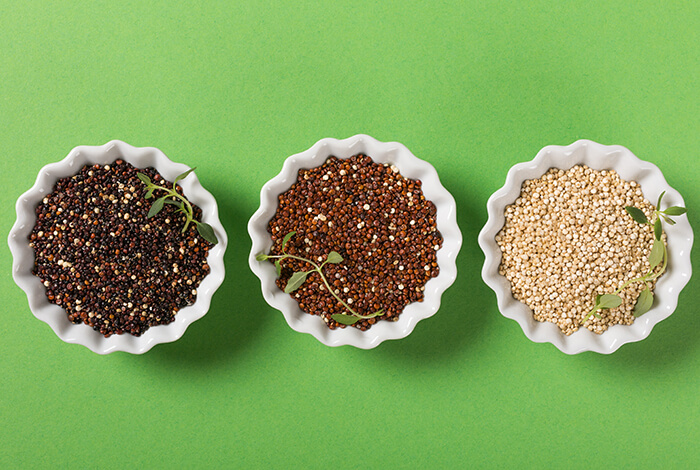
column 630, row 168
column 410, row 167
column 55, row 316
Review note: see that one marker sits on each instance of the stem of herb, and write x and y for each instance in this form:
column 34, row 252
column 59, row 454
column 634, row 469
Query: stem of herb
column 640, row 217
column 647, row 277
column 189, row 212
column 319, row 269
column 183, row 205
column 281, row 257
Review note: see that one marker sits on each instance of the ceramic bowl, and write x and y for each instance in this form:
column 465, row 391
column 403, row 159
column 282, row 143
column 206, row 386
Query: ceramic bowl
column 410, row 167
column 54, row 315
column 630, row 168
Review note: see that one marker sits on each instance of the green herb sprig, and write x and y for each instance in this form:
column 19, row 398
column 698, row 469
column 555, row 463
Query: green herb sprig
column 299, row 277
column 658, row 256
column 183, row 205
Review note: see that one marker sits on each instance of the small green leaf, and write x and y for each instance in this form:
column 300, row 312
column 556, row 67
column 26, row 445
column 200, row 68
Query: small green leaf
column 637, row 214
column 657, row 254
column 149, row 193
column 675, row 210
column 207, row 232
column 278, row 267
column 183, row 176
column 668, row 220
column 609, row 301
column 334, row 258
column 295, row 281
column 344, row 319
column 646, row 298
column 261, row 257
column 156, row 207
column 658, row 204
column 593, row 311
column 286, row 239
column 144, row 178
column 658, row 230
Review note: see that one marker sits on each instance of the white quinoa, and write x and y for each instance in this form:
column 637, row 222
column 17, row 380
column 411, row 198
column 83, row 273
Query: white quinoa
column 568, row 238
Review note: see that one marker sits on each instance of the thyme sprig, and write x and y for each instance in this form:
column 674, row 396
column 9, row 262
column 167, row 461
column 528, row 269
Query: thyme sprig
column 657, row 256
column 299, row 277
column 176, row 199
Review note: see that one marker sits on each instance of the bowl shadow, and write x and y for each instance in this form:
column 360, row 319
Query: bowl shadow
column 671, row 344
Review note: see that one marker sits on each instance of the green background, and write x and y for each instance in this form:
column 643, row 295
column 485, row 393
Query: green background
column 233, row 88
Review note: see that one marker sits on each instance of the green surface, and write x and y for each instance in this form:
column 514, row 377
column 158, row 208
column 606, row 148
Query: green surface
column 234, row 88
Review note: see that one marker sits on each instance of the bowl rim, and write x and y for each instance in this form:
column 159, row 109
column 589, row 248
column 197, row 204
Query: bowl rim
column 630, row 168
column 410, row 167
column 23, row 255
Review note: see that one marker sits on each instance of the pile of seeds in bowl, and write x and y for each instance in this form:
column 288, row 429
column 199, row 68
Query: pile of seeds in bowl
column 105, row 262
column 379, row 222
column 568, row 238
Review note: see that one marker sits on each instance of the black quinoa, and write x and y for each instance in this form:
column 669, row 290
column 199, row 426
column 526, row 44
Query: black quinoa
column 105, row 262
column 377, row 220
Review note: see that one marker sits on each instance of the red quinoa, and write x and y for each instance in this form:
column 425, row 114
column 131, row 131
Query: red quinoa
column 105, row 262
column 379, row 222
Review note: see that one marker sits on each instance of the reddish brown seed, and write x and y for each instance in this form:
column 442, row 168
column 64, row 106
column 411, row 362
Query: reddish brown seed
column 379, row 222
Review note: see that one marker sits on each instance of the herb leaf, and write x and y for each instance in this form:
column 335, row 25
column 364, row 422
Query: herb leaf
column 174, row 198
column 207, row 232
column 657, row 253
column 278, row 268
column 675, row 210
column 183, row 175
column 667, row 219
column 334, row 258
column 345, row 319
column 637, row 214
column 287, row 238
column 156, row 207
column 658, row 230
column 609, row 301
column 261, row 257
column 594, row 312
column 144, row 178
column 646, row 298
column 295, row 281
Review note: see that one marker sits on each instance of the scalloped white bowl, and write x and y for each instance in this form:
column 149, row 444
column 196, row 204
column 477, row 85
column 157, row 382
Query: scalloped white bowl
column 55, row 316
column 410, row 167
column 630, row 168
